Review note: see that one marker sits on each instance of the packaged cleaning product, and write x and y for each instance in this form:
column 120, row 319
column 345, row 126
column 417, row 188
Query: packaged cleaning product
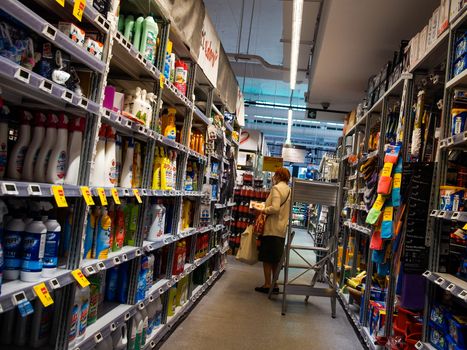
column 170, row 130
column 131, row 212
column 4, row 117
column 149, row 39
column 110, row 159
column 150, row 272
column 157, row 228
column 73, row 32
column 123, row 283
column 98, row 175
column 12, row 242
column 95, row 281
column 84, row 296
column 181, row 74
column 141, row 288
column 76, row 130
column 119, row 337
column 137, row 36
column 18, row 153
column 33, row 246
column 43, row 156
column 42, row 321
column 34, row 147
column 127, row 168
column 52, row 243
column 112, row 284
column 58, row 160
column 102, row 245
column 459, row 116
column 172, row 303
column 129, row 27
column 91, row 225
column 136, row 177
column 119, row 229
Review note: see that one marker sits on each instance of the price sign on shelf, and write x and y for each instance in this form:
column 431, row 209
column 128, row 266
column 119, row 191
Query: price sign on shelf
column 43, row 294
column 59, row 195
column 86, row 192
column 102, row 196
column 80, row 278
column 465, row 227
column 138, row 197
column 61, row 2
column 162, row 80
column 115, row 196
column 78, row 9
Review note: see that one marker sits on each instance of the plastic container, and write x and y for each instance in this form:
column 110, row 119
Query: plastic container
column 74, row 150
column 58, row 161
column 459, row 116
column 34, row 147
column 156, row 230
column 129, row 27
column 149, row 39
column 84, row 295
column 4, row 116
column 50, row 138
column 460, row 47
column 42, row 321
column 458, row 329
column 110, row 159
column 437, row 337
column 119, row 337
column 18, row 153
column 102, row 245
column 95, row 286
column 52, row 243
column 137, row 36
column 33, row 247
column 127, row 168
column 98, row 172
column 112, row 284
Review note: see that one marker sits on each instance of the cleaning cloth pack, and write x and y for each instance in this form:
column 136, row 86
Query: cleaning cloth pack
column 396, row 184
column 385, row 180
column 375, row 210
column 386, row 225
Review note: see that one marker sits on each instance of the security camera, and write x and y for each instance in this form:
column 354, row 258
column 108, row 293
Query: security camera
column 325, row 105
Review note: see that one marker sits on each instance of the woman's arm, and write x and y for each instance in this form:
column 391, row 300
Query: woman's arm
column 275, row 202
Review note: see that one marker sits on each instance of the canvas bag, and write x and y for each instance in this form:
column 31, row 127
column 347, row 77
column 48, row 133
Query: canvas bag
column 248, row 253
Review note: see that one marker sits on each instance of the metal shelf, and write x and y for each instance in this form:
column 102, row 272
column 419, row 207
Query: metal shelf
column 17, row 82
column 92, row 266
column 450, row 283
column 201, row 116
column 14, row 291
column 457, row 81
column 125, row 125
column 433, row 53
column 460, row 216
column 197, row 155
column 353, row 226
column 424, row 346
column 456, row 141
column 32, row 189
column 37, row 24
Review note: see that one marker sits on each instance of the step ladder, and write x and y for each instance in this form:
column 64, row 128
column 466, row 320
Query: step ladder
column 324, row 268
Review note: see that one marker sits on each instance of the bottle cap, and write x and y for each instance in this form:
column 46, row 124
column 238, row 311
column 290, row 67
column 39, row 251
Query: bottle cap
column 78, row 124
column 26, row 117
column 40, row 119
column 52, row 120
column 102, row 131
column 110, row 134
column 62, row 121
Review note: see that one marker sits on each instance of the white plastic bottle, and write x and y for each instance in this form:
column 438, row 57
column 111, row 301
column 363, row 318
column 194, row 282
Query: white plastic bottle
column 138, row 106
column 18, row 153
column 33, row 247
column 110, row 158
column 151, row 310
column 4, row 116
column 127, row 169
column 57, row 165
column 98, row 172
column 150, row 272
column 74, row 150
column 12, row 240
column 119, row 337
column 34, row 147
column 51, row 246
column 137, row 330
column 85, row 295
column 156, row 230
column 144, row 332
column 46, row 148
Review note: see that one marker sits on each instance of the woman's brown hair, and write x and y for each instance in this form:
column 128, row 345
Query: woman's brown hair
column 282, row 174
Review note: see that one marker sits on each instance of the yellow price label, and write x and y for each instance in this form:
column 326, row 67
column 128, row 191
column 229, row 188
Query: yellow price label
column 115, row 196
column 397, row 180
column 465, row 227
column 78, row 9
column 86, row 192
column 162, row 80
column 387, row 169
column 80, row 278
column 379, row 202
column 59, row 195
column 138, row 197
column 61, row 2
column 102, row 196
column 43, row 294
column 388, row 213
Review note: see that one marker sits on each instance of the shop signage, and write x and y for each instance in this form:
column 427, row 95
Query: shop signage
column 208, row 57
column 272, row 163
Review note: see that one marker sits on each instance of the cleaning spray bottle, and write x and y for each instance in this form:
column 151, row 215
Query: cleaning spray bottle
column 141, row 287
column 98, row 172
column 83, row 312
column 151, row 309
column 110, row 159
column 74, row 150
column 52, row 242
column 90, row 232
column 150, row 99
column 156, row 230
column 57, row 165
column 4, row 117
column 50, row 138
column 144, row 332
column 135, row 331
column 34, row 147
column 119, row 337
column 137, row 35
column 33, row 246
column 136, row 177
column 170, row 130
column 127, row 169
column 149, row 39
column 95, row 281
column 103, row 235
column 75, row 313
column 119, row 229
column 18, row 153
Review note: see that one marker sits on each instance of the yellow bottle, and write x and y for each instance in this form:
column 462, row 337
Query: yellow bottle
column 156, row 175
column 163, row 170
column 170, row 130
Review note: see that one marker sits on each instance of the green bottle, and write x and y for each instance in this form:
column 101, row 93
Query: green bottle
column 129, row 26
column 149, row 39
column 121, row 23
column 137, row 36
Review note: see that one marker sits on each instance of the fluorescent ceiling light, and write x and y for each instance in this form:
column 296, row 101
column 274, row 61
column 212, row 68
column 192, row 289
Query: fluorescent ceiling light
column 295, row 47
column 289, row 126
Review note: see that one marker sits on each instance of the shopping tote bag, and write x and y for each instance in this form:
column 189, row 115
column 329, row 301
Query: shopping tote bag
column 248, row 253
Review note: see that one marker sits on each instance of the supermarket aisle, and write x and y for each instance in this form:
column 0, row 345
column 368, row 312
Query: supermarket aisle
column 235, row 317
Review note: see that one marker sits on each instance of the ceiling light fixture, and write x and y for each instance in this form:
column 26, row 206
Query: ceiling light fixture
column 289, row 126
column 297, row 13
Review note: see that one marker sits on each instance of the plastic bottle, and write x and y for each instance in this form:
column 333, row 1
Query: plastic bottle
column 127, row 169
column 136, row 177
column 141, row 288
column 33, row 247
column 42, row 321
column 34, row 147
column 121, row 23
column 138, row 108
column 22, row 329
column 46, row 148
column 151, row 309
column 157, row 228
column 58, row 161
column 102, row 245
column 95, row 281
column 118, row 158
column 181, row 74
column 90, row 232
column 172, row 67
column 149, row 39
column 18, row 153
column 119, row 223
column 137, row 36
column 51, row 246
column 4, row 117
column 122, row 291
column 171, row 130
column 83, row 311
column 129, row 26
column 110, row 158
column 150, row 99
column 75, row 315
column 74, row 150
column 98, row 172
column 158, row 316
column 12, row 241
column 119, row 337
column 144, row 332
column 171, row 303
column 3, row 211
column 167, row 64
column 112, row 284
column 150, row 272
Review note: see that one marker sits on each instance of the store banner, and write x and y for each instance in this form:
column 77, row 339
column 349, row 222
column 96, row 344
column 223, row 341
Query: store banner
column 272, row 163
column 293, row 155
column 250, row 140
column 208, row 56
column 227, row 83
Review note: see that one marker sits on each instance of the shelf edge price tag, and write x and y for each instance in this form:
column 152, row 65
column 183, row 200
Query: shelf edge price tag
column 43, row 294
column 138, row 197
column 80, row 278
column 162, row 80
column 465, row 227
column 101, row 193
column 87, row 195
column 59, row 195
column 78, row 9
column 115, row 196
column 61, row 2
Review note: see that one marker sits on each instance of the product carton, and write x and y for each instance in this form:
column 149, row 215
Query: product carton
column 94, row 47
column 73, row 32
column 456, row 7
column 433, row 28
column 443, row 16
column 422, row 42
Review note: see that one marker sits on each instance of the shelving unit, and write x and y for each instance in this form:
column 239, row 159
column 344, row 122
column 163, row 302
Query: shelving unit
column 122, row 65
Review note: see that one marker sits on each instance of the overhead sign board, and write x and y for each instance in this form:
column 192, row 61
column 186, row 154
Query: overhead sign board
column 293, row 155
column 272, row 163
column 208, row 57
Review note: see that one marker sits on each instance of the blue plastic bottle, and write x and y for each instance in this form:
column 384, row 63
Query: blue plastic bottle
column 112, row 284
column 3, row 211
column 141, row 289
column 122, row 292
column 33, row 248
column 89, row 233
column 12, row 247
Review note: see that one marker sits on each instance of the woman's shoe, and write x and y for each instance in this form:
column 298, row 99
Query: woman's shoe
column 275, row 290
column 264, row 290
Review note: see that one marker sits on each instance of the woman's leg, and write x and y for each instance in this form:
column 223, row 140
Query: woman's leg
column 273, row 271
column 267, row 269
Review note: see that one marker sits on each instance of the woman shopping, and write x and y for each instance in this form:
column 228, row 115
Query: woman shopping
column 277, row 210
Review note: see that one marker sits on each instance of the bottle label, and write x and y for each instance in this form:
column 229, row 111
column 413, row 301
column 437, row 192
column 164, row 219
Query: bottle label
column 51, row 250
column 83, row 318
column 61, row 165
column 20, row 159
column 113, row 173
column 33, row 252
column 151, row 42
column 74, row 322
column 12, row 249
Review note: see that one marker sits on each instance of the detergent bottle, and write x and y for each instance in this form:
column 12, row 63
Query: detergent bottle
column 98, row 173
column 34, row 147
column 110, row 159
column 40, row 165
column 58, row 161
column 18, row 153
column 127, row 169
column 74, row 150
column 149, row 39
column 4, row 117
column 102, row 245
